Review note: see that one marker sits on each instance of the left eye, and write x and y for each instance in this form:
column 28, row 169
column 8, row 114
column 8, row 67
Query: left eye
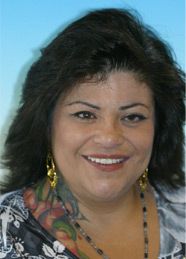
column 84, row 115
column 134, row 118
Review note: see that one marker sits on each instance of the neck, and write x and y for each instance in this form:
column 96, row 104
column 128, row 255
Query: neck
column 83, row 208
column 123, row 217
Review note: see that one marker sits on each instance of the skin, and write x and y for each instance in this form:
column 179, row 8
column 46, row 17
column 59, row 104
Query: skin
column 113, row 117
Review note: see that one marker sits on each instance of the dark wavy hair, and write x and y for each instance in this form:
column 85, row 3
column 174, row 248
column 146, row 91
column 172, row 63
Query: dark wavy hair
column 90, row 48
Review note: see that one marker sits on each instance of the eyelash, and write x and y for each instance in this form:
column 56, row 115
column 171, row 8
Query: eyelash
column 131, row 118
column 84, row 115
column 134, row 118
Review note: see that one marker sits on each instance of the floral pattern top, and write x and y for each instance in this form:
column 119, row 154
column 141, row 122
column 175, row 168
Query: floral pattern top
column 21, row 236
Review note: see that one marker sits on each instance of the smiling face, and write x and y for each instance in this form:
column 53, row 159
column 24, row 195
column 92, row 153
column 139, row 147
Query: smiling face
column 102, row 136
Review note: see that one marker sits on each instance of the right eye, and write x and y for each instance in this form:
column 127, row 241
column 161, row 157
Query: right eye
column 84, row 115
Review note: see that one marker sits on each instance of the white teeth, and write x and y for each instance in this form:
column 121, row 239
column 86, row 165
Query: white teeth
column 105, row 161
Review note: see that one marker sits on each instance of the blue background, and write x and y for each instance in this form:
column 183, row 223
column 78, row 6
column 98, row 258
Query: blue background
column 28, row 25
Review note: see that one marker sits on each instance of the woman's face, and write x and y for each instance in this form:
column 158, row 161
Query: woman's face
column 102, row 136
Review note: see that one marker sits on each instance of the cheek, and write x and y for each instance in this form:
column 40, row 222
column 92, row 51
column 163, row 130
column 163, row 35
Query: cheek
column 66, row 140
column 62, row 148
column 142, row 140
column 146, row 145
column 61, row 139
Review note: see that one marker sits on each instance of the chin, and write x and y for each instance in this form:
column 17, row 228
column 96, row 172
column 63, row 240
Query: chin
column 107, row 193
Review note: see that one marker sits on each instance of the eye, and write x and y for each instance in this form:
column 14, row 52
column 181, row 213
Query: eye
column 134, row 118
column 84, row 115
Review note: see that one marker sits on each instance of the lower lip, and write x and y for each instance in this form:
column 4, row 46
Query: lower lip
column 108, row 168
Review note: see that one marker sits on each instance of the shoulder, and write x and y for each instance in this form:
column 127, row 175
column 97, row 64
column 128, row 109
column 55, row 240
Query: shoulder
column 171, row 211
column 12, row 214
column 21, row 236
column 13, row 201
column 12, row 208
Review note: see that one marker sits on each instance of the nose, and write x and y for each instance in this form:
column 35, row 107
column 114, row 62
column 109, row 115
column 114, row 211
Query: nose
column 109, row 135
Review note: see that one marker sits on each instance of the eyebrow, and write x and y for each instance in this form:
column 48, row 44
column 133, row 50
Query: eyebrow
column 124, row 107
column 84, row 103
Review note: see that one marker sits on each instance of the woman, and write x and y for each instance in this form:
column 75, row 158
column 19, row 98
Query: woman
column 96, row 148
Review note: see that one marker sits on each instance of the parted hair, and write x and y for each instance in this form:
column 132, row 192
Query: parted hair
column 91, row 47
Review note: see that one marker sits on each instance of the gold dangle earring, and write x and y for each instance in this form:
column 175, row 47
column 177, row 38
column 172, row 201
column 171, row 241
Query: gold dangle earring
column 143, row 180
column 51, row 171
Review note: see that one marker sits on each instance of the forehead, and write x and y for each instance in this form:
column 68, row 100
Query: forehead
column 117, row 86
